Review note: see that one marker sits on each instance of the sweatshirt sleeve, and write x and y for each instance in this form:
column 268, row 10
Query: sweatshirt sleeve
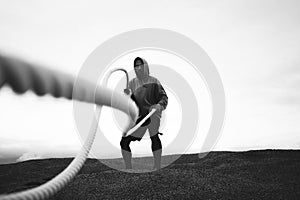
column 162, row 96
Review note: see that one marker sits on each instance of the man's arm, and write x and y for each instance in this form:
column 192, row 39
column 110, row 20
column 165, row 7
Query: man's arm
column 128, row 91
column 162, row 95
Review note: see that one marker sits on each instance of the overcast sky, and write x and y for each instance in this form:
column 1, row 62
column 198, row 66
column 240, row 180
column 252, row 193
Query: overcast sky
column 254, row 44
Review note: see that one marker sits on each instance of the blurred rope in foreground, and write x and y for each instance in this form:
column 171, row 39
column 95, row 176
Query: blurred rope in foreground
column 22, row 76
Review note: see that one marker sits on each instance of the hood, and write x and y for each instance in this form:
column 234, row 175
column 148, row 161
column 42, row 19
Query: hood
column 146, row 66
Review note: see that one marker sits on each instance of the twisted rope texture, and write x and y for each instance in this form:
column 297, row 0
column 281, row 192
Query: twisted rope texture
column 22, row 76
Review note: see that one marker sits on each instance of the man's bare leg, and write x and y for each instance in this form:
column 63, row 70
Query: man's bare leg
column 157, row 159
column 126, row 152
column 127, row 158
column 157, row 151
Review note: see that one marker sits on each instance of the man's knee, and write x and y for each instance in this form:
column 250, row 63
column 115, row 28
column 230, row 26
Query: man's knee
column 156, row 143
column 125, row 142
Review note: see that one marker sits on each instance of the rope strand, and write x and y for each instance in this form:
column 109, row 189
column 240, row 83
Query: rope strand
column 22, row 76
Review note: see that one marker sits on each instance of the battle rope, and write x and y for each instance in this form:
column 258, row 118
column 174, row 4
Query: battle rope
column 127, row 131
column 115, row 70
column 21, row 77
column 140, row 123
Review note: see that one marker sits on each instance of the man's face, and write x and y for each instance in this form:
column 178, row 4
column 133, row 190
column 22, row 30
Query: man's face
column 139, row 69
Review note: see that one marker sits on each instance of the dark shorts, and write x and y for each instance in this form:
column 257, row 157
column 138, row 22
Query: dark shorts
column 153, row 128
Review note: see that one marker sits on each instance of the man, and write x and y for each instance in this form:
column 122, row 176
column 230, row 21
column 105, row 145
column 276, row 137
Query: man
column 148, row 94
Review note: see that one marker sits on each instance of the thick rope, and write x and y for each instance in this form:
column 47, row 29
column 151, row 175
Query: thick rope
column 115, row 70
column 21, row 77
column 130, row 129
column 140, row 123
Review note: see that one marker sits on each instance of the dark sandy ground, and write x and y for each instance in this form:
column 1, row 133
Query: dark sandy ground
column 265, row 174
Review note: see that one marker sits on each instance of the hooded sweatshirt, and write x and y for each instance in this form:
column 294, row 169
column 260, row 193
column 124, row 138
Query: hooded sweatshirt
column 147, row 91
